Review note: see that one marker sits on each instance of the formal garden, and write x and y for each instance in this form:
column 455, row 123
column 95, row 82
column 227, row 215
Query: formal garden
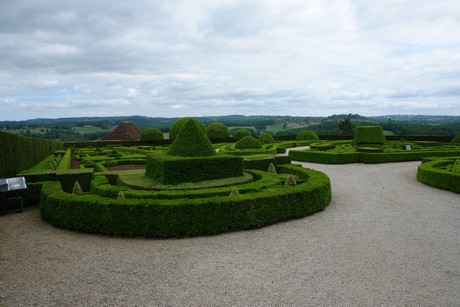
column 192, row 186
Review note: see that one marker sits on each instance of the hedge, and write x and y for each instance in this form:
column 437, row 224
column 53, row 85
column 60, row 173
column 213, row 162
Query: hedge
column 430, row 173
column 369, row 135
column 355, row 157
column 264, row 163
column 173, row 169
column 18, row 153
column 184, row 217
column 66, row 160
column 266, row 149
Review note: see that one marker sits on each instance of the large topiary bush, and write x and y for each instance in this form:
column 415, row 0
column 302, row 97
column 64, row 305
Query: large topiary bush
column 152, row 135
column 307, row 135
column 456, row 139
column 241, row 133
column 369, row 135
column 266, row 138
column 217, row 132
column 191, row 141
column 176, row 127
column 248, row 142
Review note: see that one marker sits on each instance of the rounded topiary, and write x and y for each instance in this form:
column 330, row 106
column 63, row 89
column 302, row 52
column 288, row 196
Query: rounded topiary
column 176, row 127
column 266, row 138
column 241, row 133
column 248, row 142
column 306, row 135
column 152, row 135
column 369, row 135
column 456, row 139
column 217, row 132
column 191, row 141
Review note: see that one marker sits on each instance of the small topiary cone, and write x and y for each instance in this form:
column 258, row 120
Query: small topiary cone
column 234, row 192
column 272, row 169
column 77, row 188
column 121, row 195
column 290, row 181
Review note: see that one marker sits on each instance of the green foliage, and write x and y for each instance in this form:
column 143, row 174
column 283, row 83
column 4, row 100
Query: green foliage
column 290, row 181
column 241, row 133
column 306, row 135
column 173, row 169
column 456, row 139
column 121, row 195
column 191, row 142
column 77, row 188
column 346, row 125
column 248, row 142
column 67, row 178
column 234, row 192
column 230, row 150
column 185, row 217
column 369, row 135
column 322, row 146
column 434, row 173
column 177, row 126
column 217, row 132
column 272, row 169
column 266, row 138
column 262, row 163
column 19, row 153
column 369, row 149
column 65, row 161
column 151, row 135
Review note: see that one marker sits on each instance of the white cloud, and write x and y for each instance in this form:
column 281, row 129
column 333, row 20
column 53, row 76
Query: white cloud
column 232, row 56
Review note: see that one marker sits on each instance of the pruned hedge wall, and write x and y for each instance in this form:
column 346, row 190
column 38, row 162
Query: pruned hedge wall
column 19, row 153
column 428, row 173
column 184, row 217
column 173, row 170
column 356, row 157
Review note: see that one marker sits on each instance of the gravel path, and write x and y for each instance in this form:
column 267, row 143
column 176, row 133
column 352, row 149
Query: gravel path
column 385, row 239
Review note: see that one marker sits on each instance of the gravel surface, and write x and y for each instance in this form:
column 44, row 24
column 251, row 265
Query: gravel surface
column 385, row 239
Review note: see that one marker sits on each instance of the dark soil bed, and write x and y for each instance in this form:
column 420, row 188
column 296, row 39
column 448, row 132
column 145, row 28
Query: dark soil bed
column 124, row 167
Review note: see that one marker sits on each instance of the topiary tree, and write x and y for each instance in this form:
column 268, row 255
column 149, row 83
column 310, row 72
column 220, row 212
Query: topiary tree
column 77, row 188
column 234, row 192
column 456, row 139
column 177, row 126
column 369, row 135
column 217, row 132
column 152, row 135
column 290, row 181
column 121, row 195
column 306, row 135
column 191, row 141
column 266, row 138
column 248, row 142
column 241, row 133
column 272, row 169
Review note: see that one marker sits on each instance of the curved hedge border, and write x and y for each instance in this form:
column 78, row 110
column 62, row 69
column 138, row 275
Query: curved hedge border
column 185, row 217
column 364, row 157
column 429, row 173
column 231, row 150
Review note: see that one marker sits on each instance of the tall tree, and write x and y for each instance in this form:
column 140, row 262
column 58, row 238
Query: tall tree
column 346, row 125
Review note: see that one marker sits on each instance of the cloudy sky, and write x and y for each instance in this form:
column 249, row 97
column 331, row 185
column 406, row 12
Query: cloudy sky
column 206, row 57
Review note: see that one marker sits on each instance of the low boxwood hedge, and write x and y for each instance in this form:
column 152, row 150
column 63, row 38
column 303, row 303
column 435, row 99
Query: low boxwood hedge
column 431, row 173
column 185, row 217
column 231, row 150
column 168, row 169
column 264, row 163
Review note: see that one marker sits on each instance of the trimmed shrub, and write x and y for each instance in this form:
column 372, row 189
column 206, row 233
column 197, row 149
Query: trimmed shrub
column 65, row 161
column 369, row 135
column 264, row 162
column 241, row 133
column 322, row 146
column 306, row 135
column 456, row 139
column 369, row 149
column 152, row 135
column 185, row 217
column 248, row 142
column 191, row 142
column 177, row 126
column 234, row 192
column 290, row 181
column 76, row 188
column 266, row 138
column 230, row 150
column 173, row 169
column 68, row 178
column 271, row 169
column 121, row 195
column 430, row 173
column 217, row 132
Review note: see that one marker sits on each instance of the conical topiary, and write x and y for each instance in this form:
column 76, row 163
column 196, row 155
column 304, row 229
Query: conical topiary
column 77, row 188
column 191, row 142
column 234, row 192
column 121, row 195
column 290, row 181
column 272, row 169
